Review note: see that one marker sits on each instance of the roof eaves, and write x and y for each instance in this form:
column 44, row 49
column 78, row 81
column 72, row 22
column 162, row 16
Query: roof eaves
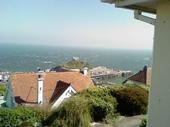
column 132, row 4
column 108, row 1
column 123, row 3
column 145, row 9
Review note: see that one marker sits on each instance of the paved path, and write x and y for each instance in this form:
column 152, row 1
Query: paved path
column 124, row 122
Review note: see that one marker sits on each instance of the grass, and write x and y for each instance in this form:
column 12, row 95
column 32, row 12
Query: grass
column 72, row 113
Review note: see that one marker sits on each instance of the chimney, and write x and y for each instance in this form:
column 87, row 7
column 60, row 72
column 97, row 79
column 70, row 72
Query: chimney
column 85, row 71
column 40, row 88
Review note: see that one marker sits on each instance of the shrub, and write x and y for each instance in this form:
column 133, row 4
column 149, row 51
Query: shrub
column 95, row 104
column 2, row 89
column 143, row 123
column 72, row 113
column 101, row 104
column 26, row 124
column 131, row 100
column 14, row 117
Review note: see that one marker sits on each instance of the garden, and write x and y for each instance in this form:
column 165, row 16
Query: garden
column 99, row 104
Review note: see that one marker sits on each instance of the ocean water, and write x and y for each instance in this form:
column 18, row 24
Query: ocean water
column 15, row 57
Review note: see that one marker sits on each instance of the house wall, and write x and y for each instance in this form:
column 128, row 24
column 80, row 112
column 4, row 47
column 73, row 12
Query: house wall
column 159, row 107
column 65, row 95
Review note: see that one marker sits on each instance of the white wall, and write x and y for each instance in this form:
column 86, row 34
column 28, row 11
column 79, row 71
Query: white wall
column 159, row 107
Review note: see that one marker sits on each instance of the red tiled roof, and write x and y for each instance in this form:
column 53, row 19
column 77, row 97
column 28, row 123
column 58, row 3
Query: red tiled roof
column 24, row 85
column 143, row 76
column 139, row 77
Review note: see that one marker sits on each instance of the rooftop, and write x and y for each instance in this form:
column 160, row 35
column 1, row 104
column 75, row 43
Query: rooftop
column 24, row 85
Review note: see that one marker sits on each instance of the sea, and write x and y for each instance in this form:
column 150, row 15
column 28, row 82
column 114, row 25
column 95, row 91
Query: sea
column 24, row 58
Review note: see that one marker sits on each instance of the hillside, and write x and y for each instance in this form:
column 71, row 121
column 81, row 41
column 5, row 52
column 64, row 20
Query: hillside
column 76, row 64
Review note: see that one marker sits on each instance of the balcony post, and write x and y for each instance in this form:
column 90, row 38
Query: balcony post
column 159, row 104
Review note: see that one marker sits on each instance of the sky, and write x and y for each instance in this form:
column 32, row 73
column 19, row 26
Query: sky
column 75, row 23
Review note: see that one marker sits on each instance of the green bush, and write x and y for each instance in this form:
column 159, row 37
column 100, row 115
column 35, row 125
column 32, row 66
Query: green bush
column 101, row 104
column 143, row 123
column 26, row 124
column 72, row 113
column 131, row 100
column 14, row 117
column 95, row 104
column 2, row 89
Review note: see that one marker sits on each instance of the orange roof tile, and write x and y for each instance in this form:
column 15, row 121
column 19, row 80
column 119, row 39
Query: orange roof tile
column 24, row 85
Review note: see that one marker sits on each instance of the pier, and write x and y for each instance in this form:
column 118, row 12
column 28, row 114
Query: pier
column 106, row 73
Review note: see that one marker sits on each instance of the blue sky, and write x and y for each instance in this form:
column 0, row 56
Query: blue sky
column 77, row 23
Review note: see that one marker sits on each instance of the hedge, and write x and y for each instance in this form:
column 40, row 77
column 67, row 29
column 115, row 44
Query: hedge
column 14, row 117
column 131, row 100
column 101, row 103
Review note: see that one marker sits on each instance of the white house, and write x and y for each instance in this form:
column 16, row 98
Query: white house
column 67, row 92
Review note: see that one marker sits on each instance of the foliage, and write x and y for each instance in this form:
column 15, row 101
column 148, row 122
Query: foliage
column 76, row 64
column 120, row 86
column 101, row 104
column 131, row 100
column 94, row 104
column 26, row 124
column 143, row 123
column 2, row 89
column 14, row 117
column 72, row 113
